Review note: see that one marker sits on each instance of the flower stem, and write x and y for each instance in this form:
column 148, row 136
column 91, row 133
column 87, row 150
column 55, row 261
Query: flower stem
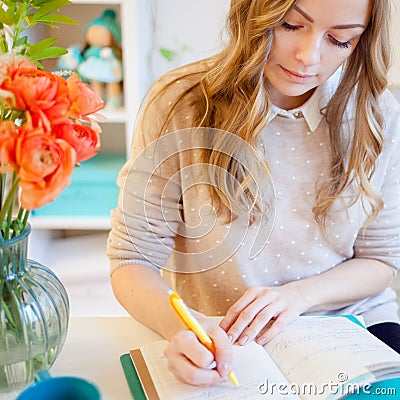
column 3, row 188
column 25, row 219
column 20, row 26
column 3, row 42
column 6, row 208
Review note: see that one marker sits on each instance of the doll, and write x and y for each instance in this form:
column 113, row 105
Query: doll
column 101, row 64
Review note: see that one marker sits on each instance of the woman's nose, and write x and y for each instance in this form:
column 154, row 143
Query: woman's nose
column 309, row 50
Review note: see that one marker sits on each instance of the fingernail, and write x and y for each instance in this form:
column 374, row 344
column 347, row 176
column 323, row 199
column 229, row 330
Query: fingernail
column 212, row 365
column 261, row 341
column 224, row 369
column 230, row 338
column 243, row 340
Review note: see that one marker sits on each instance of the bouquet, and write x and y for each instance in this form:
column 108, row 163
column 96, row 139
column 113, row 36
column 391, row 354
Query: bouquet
column 45, row 124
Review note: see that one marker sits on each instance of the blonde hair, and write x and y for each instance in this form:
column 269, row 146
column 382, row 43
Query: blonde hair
column 365, row 78
column 231, row 95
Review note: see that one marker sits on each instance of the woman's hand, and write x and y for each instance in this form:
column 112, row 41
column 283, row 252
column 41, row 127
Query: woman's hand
column 262, row 312
column 192, row 363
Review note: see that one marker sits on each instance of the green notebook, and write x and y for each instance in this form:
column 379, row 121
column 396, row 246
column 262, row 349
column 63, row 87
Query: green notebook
column 132, row 377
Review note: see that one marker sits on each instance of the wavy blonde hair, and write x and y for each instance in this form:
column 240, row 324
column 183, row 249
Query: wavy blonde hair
column 232, row 96
column 365, row 78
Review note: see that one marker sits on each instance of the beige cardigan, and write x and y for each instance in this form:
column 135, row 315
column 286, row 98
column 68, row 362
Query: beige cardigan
column 164, row 216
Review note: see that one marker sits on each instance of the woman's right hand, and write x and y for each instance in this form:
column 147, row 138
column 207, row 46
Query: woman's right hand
column 190, row 361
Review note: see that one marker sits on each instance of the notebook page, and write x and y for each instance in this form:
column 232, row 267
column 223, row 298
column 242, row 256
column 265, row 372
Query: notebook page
column 321, row 354
column 252, row 367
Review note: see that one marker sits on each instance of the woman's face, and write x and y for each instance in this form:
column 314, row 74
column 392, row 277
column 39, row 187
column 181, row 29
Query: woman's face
column 314, row 40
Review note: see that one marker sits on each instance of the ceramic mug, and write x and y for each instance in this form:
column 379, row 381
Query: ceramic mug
column 60, row 388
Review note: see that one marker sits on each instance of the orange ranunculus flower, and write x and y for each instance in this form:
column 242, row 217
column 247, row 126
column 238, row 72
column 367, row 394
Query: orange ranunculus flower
column 8, row 137
column 45, row 165
column 18, row 63
column 82, row 138
column 84, row 100
column 44, row 94
column 10, row 65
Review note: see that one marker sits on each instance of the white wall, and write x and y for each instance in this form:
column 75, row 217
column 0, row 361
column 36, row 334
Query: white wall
column 194, row 25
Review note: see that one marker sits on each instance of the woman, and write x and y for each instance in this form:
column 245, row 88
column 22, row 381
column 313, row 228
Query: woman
column 301, row 85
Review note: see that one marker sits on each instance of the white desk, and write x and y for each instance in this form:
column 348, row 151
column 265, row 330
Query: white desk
column 92, row 350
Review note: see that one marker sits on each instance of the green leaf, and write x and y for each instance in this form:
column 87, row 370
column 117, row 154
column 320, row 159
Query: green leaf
column 46, row 8
column 10, row 15
column 20, row 12
column 5, row 18
column 57, row 18
column 41, row 3
column 40, row 46
column 51, row 52
column 168, row 54
column 39, row 64
column 21, row 41
column 185, row 47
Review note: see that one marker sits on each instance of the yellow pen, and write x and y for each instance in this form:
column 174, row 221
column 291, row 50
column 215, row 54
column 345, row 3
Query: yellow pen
column 191, row 323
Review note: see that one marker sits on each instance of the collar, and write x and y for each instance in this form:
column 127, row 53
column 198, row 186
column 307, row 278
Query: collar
column 312, row 109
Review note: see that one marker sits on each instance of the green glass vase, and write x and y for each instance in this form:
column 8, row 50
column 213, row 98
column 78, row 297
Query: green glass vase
column 34, row 315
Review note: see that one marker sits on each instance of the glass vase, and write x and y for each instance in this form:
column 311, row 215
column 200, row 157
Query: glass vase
column 34, row 315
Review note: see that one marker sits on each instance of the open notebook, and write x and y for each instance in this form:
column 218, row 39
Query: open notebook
column 313, row 358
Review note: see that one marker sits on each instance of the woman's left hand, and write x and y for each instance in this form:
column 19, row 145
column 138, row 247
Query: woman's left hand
column 262, row 312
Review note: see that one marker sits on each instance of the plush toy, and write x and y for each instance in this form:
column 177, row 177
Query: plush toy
column 101, row 63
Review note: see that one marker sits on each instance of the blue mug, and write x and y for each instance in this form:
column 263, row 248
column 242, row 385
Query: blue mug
column 59, row 388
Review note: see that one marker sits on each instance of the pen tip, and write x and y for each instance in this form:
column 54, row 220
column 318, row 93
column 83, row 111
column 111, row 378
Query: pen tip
column 233, row 379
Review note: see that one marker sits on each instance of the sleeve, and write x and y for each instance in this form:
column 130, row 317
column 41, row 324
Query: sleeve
column 381, row 239
column 148, row 215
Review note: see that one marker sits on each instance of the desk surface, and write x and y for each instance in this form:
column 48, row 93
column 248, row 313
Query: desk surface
column 92, row 350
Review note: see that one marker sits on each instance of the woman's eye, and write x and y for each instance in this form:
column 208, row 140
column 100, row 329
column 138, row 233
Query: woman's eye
column 341, row 45
column 289, row 27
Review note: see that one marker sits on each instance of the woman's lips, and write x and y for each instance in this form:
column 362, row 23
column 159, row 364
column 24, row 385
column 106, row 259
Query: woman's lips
column 295, row 76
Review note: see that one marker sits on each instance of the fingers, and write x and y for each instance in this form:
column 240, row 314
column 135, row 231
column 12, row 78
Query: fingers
column 224, row 350
column 190, row 361
column 243, row 331
column 191, row 374
column 260, row 314
column 263, row 318
column 275, row 327
column 249, row 315
column 235, row 311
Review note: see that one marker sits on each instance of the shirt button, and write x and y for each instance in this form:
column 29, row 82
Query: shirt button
column 298, row 114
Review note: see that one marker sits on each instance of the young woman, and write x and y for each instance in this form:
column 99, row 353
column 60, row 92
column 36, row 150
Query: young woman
column 301, row 89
